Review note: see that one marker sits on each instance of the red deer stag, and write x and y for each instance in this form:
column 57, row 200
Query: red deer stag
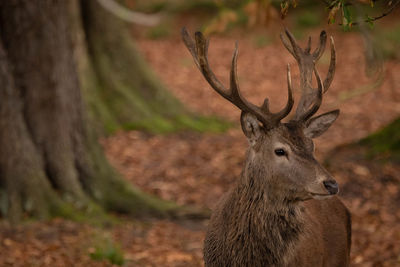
column 282, row 211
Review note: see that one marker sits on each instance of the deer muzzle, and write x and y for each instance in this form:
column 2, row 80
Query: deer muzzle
column 331, row 186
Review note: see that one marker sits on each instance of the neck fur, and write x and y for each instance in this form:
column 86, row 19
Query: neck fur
column 265, row 220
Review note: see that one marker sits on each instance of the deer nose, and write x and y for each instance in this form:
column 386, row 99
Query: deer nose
column 331, row 186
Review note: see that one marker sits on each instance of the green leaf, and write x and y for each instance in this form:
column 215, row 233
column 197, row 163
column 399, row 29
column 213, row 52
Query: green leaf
column 346, row 18
column 370, row 21
column 346, row 13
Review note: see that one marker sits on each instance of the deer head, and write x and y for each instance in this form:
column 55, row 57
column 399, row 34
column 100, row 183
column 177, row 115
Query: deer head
column 280, row 156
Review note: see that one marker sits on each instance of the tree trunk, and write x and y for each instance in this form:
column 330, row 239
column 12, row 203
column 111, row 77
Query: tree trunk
column 22, row 175
column 49, row 156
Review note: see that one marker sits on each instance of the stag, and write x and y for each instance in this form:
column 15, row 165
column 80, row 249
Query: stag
column 283, row 210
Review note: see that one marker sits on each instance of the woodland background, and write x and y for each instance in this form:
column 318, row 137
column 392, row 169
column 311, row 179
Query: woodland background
column 76, row 73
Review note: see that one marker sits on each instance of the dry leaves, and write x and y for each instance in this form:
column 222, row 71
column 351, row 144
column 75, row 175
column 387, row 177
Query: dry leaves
column 54, row 243
column 197, row 169
column 192, row 168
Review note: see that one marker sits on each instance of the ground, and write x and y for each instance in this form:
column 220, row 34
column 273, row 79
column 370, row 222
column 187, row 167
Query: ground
column 197, row 168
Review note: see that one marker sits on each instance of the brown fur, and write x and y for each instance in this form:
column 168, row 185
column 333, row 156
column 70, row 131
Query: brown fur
column 263, row 222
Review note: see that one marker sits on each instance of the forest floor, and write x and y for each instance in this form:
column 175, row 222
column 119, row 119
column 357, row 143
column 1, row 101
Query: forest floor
column 197, row 168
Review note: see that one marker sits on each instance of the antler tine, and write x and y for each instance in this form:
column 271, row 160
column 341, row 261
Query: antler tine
column 198, row 49
column 332, row 67
column 234, row 83
column 308, row 48
column 201, row 51
column 235, row 95
column 297, row 51
column 317, row 103
column 321, row 47
column 189, row 43
column 287, row 45
column 289, row 104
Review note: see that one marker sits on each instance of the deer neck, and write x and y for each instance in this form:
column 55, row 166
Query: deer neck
column 271, row 221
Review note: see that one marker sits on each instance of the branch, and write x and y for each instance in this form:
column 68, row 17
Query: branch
column 384, row 14
column 128, row 15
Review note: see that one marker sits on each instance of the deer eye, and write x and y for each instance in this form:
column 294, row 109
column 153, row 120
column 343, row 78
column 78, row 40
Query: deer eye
column 280, row 152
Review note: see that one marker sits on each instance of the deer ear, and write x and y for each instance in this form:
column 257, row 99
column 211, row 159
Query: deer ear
column 250, row 126
column 318, row 125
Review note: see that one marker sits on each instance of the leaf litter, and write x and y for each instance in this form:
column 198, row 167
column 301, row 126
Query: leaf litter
column 196, row 169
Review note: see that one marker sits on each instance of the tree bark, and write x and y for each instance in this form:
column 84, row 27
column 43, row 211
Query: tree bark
column 49, row 156
column 22, row 176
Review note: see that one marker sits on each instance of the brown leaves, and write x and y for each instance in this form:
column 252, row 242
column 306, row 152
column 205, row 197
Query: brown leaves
column 163, row 244
column 193, row 168
column 187, row 168
column 371, row 191
column 54, row 243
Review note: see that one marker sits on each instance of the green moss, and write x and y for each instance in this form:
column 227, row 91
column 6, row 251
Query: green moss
column 91, row 214
column 155, row 124
column 385, row 143
column 106, row 249
column 160, row 125
column 204, row 124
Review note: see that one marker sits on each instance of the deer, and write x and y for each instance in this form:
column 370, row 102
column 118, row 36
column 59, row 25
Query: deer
column 283, row 210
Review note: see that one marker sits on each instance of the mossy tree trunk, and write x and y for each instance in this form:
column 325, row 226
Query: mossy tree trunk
column 50, row 160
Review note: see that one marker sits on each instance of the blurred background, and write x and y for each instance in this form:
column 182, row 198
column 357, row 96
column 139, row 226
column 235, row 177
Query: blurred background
column 114, row 149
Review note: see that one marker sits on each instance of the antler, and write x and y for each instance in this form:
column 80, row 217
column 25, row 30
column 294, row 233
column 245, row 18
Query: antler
column 306, row 62
column 199, row 50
